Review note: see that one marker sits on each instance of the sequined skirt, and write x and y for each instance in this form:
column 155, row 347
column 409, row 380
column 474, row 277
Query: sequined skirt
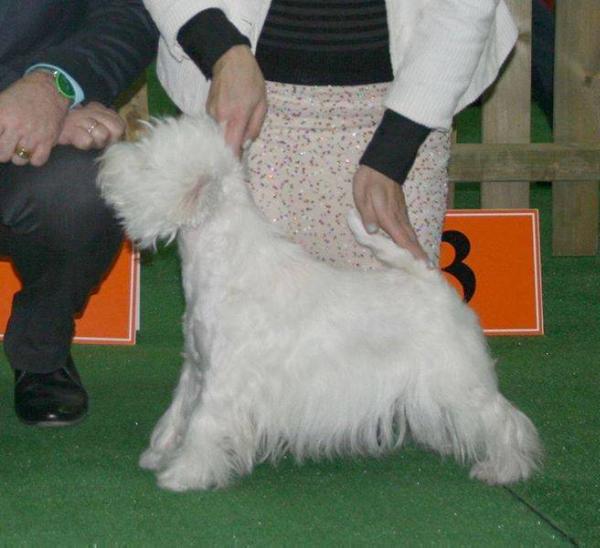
column 301, row 167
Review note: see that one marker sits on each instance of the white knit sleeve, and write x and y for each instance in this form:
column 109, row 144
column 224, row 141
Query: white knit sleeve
column 452, row 41
column 171, row 15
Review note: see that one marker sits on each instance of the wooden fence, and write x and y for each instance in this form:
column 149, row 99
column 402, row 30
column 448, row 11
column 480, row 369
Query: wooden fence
column 506, row 162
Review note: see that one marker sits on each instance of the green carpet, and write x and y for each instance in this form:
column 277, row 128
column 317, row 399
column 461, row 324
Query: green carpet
column 81, row 486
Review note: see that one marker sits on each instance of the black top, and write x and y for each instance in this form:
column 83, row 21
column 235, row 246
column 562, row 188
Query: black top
column 292, row 48
column 102, row 44
column 325, row 42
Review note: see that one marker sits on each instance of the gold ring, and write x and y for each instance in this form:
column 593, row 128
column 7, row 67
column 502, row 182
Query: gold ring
column 22, row 153
column 92, row 126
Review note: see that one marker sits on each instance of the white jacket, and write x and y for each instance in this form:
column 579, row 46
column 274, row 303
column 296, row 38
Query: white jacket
column 444, row 53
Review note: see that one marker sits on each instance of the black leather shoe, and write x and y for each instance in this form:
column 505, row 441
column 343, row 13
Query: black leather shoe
column 50, row 399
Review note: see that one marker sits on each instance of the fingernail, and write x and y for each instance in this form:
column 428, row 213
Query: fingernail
column 371, row 228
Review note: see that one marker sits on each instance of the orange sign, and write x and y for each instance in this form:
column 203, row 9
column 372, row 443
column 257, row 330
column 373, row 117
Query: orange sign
column 111, row 316
column 492, row 258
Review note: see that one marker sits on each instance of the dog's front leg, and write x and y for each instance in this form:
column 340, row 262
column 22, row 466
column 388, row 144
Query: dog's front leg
column 218, row 444
column 169, row 430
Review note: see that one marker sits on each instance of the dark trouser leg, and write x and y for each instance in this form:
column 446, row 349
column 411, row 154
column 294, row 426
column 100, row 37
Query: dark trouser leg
column 62, row 239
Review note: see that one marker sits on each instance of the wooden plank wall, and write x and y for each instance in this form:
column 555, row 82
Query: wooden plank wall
column 576, row 119
column 534, row 162
column 572, row 162
column 506, row 115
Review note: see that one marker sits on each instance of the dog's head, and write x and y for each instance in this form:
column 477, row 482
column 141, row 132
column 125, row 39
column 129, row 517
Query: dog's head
column 156, row 184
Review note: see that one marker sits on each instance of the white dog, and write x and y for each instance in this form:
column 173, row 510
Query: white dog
column 286, row 354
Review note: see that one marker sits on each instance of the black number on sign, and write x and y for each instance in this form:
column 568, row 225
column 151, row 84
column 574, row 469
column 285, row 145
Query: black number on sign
column 458, row 269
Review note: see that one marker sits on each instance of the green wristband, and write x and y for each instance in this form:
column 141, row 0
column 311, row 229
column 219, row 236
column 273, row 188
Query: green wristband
column 62, row 83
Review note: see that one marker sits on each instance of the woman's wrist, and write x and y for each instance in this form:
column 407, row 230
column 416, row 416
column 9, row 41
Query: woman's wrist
column 394, row 146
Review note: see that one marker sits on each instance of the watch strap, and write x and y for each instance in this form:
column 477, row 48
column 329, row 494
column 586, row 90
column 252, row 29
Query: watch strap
column 65, row 84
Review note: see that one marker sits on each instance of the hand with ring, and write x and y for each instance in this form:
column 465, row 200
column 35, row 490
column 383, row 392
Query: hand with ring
column 92, row 126
column 22, row 153
column 32, row 114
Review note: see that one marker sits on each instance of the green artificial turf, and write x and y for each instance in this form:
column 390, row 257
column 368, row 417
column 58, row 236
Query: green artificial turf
column 81, row 486
column 556, row 378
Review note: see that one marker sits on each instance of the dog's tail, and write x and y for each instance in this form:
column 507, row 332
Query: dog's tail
column 155, row 184
column 386, row 250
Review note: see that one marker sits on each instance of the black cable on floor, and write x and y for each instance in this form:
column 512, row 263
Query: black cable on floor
column 544, row 518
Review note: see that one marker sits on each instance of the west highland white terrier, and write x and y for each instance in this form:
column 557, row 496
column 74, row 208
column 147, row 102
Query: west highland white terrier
column 285, row 354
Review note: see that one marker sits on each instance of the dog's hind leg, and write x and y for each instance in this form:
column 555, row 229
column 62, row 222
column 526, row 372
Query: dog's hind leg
column 511, row 448
column 169, row 430
column 477, row 425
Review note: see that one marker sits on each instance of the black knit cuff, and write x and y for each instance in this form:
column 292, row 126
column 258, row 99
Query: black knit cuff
column 394, row 146
column 207, row 36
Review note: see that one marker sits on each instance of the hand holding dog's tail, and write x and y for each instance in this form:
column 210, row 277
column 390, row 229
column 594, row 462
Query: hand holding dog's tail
column 155, row 184
column 386, row 250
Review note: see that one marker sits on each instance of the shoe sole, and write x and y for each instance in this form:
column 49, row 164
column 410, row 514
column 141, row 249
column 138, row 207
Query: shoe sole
column 52, row 424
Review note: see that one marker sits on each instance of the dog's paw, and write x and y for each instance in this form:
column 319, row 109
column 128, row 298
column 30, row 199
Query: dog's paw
column 507, row 473
column 152, row 460
column 182, row 475
column 163, row 445
column 173, row 480
column 485, row 472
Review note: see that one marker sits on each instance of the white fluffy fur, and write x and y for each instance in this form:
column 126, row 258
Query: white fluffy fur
column 286, row 354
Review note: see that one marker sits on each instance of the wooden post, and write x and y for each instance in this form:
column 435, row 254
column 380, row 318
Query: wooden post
column 507, row 112
column 576, row 119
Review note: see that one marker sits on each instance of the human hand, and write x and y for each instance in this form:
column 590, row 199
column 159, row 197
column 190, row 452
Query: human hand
column 237, row 98
column 381, row 204
column 32, row 113
column 91, row 126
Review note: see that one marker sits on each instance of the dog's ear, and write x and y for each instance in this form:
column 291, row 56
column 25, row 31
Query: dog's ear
column 156, row 185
